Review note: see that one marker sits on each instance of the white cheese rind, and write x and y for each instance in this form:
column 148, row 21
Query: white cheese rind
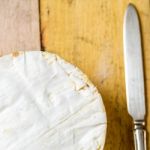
column 48, row 104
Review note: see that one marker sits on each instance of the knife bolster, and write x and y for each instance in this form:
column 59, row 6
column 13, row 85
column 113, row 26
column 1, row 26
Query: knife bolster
column 139, row 124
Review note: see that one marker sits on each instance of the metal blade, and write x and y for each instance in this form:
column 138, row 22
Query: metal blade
column 133, row 65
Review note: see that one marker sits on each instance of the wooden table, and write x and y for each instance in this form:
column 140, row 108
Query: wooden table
column 19, row 25
column 88, row 33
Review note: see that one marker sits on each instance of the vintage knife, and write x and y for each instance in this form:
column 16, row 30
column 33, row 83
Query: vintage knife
column 134, row 77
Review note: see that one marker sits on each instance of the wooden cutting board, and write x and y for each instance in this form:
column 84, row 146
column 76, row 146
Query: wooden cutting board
column 88, row 33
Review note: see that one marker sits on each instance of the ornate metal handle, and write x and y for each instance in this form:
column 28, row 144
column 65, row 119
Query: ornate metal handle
column 139, row 135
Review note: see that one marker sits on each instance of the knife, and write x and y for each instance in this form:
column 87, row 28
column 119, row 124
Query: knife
column 134, row 76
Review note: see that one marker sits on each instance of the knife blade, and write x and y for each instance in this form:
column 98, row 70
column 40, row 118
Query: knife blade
column 134, row 76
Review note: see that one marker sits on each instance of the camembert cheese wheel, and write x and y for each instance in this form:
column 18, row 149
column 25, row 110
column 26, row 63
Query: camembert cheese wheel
column 48, row 104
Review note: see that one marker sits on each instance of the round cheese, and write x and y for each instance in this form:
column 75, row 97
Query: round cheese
column 48, row 104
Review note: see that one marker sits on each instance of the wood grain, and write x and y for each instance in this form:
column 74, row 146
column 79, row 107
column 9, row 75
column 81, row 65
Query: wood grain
column 19, row 25
column 89, row 34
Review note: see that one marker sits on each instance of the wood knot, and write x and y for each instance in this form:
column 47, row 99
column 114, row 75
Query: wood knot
column 70, row 2
column 15, row 53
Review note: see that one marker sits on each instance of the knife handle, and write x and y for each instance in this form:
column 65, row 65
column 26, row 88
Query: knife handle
column 139, row 135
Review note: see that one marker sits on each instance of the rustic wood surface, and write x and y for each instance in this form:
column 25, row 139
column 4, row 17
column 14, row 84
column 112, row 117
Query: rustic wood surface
column 88, row 33
column 19, row 25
